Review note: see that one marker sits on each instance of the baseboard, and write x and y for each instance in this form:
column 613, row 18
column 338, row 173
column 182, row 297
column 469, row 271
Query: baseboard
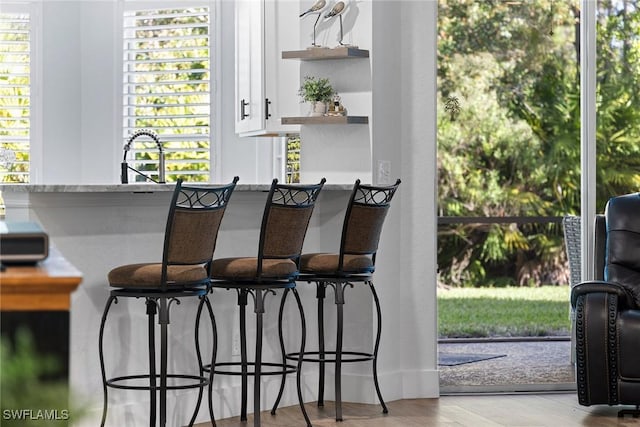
column 360, row 388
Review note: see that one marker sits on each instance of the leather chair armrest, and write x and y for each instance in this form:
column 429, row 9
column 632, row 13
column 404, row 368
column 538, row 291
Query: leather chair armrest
column 625, row 299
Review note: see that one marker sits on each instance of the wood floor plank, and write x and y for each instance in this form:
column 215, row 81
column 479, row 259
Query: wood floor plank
column 504, row 410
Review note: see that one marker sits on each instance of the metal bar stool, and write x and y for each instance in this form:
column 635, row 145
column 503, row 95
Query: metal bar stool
column 355, row 263
column 189, row 242
column 284, row 225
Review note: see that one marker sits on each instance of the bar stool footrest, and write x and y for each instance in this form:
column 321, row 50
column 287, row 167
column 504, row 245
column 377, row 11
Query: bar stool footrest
column 288, row 369
column 352, row 356
column 114, row 382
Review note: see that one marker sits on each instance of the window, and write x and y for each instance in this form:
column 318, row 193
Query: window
column 293, row 160
column 166, row 82
column 15, row 96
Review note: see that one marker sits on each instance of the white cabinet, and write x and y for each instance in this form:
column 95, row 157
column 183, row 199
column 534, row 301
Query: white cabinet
column 248, row 56
column 266, row 86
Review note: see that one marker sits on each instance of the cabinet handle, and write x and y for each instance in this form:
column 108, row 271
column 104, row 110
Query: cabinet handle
column 243, row 113
column 267, row 114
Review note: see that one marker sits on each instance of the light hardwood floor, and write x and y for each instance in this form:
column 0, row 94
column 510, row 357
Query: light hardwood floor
column 512, row 410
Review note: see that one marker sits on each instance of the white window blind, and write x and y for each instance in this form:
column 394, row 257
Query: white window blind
column 15, row 97
column 167, row 89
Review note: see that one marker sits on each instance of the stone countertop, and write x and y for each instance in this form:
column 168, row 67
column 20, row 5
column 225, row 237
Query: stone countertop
column 132, row 188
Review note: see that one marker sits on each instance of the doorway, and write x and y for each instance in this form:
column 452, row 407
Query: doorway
column 508, row 172
column 510, row 127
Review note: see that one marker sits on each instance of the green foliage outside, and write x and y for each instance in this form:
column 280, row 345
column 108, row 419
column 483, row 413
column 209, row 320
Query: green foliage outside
column 509, row 131
column 293, row 159
column 503, row 312
column 27, row 400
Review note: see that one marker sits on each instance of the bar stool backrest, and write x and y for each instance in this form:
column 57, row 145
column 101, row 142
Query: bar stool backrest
column 366, row 212
column 192, row 226
column 285, row 221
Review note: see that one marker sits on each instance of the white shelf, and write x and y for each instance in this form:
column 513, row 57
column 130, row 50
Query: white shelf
column 325, row 120
column 321, row 53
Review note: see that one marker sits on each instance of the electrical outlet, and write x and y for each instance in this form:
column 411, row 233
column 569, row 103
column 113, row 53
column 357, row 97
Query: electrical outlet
column 235, row 344
column 384, row 172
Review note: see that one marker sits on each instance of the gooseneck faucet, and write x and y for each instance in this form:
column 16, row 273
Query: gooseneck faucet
column 124, row 167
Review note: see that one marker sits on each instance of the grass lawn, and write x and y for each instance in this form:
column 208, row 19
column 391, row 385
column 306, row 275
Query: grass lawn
column 503, row 312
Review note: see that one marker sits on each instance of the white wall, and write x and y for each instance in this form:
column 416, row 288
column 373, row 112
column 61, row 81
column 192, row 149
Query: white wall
column 61, row 93
column 341, row 153
column 404, row 133
column 418, row 228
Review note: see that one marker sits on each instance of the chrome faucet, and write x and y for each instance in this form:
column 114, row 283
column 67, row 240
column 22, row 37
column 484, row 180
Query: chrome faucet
column 124, row 167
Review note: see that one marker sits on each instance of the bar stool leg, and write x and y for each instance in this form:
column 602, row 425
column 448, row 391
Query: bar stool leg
column 198, row 356
column 214, row 354
column 300, row 358
column 282, row 350
column 320, row 295
column 300, row 354
column 101, row 353
column 163, row 317
column 340, row 287
column 204, row 299
column 377, row 345
column 259, row 311
column 242, row 302
column 151, row 312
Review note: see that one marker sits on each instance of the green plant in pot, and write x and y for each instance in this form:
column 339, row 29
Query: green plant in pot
column 318, row 92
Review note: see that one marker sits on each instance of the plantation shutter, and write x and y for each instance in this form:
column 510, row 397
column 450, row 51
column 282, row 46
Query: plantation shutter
column 15, row 96
column 166, row 82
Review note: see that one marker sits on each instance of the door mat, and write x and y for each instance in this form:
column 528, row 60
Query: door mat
column 454, row 359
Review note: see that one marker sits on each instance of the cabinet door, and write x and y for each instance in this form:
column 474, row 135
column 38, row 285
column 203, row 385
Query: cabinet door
column 249, row 52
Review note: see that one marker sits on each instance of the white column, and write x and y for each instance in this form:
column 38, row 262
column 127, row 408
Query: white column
column 404, row 133
column 588, row 131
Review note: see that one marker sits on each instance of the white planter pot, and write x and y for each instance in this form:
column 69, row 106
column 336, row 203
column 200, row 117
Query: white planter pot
column 318, row 108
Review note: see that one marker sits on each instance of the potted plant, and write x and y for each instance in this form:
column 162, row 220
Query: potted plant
column 318, row 92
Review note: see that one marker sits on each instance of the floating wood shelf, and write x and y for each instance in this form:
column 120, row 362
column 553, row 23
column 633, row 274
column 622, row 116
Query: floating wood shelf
column 325, row 120
column 320, row 53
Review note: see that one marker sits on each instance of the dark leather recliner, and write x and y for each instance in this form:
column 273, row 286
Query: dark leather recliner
column 608, row 311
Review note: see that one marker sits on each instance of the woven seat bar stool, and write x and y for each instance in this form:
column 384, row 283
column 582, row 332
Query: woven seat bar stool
column 189, row 242
column 284, row 225
column 355, row 263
